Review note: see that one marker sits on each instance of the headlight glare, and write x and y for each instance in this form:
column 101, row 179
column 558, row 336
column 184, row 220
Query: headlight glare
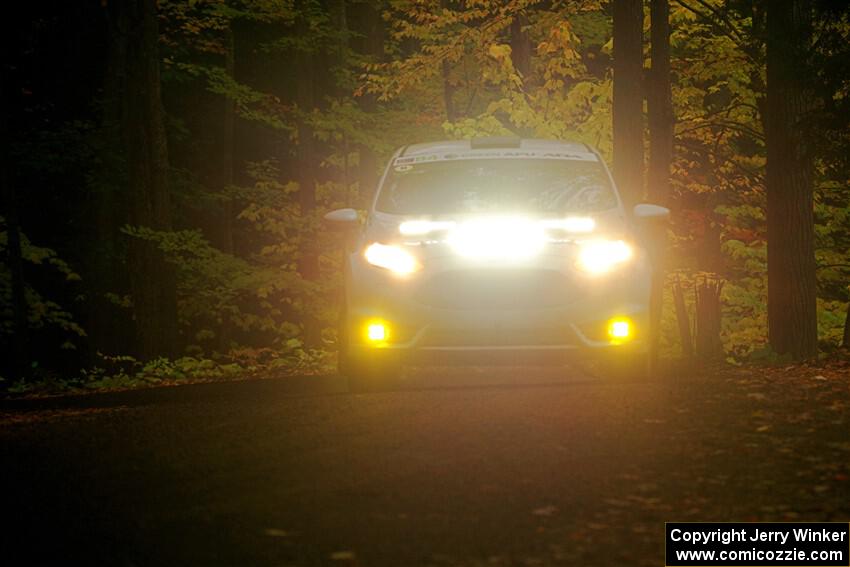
column 423, row 227
column 601, row 256
column 392, row 258
column 497, row 239
column 621, row 330
column 377, row 331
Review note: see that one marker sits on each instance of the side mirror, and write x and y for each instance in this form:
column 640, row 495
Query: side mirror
column 342, row 219
column 648, row 212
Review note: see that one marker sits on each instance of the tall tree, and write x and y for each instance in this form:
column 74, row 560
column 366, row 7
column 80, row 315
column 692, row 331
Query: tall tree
column 628, row 99
column 340, row 88
column 521, row 47
column 448, row 86
column 19, row 344
column 845, row 337
column 225, row 220
column 106, row 324
column 521, row 50
column 307, row 162
column 659, row 104
column 372, row 46
column 305, row 98
column 791, row 305
column 152, row 278
column 660, row 107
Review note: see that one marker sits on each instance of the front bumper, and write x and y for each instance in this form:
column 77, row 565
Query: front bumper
column 541, row 312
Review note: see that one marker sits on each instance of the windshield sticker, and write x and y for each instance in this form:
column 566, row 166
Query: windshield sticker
column 427, row 158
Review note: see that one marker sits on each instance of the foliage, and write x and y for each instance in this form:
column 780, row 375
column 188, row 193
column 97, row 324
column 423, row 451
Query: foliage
column 43, row 313
column 376, row 85
column 125, row 372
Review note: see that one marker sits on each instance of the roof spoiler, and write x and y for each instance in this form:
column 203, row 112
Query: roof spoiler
column 495, row 142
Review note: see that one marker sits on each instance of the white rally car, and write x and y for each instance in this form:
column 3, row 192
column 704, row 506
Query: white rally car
column 494, row 250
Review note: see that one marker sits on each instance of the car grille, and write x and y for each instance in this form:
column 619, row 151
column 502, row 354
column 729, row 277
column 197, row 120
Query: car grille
column 496, row 289
column 560, row 336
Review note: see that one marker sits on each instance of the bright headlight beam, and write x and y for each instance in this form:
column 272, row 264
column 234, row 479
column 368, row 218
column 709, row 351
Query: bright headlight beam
column 392, row 258
column 571, row 224
column 420, row 227
column 601, row 256
column 497, row 238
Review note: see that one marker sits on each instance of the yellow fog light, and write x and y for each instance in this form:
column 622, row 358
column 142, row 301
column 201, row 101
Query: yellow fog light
column 620, row 330
column 377, row 332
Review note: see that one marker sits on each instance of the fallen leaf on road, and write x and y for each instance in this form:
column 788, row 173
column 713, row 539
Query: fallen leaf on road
column 545, row 511
column 342, row 556
column 275, row 532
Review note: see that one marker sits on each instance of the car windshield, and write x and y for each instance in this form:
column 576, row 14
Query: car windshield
column 497, row 185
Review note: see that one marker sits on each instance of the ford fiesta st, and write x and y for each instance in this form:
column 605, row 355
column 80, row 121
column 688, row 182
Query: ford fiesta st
column 487, row 250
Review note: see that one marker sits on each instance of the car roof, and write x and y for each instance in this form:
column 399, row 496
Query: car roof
column 490, row 144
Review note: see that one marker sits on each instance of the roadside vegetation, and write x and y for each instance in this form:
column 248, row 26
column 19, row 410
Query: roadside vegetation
column 171, row 234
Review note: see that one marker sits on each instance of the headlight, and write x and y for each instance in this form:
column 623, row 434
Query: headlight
column 601, row 256
column 392, row 258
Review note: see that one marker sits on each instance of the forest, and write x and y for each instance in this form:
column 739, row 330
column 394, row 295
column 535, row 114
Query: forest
column 166, row 164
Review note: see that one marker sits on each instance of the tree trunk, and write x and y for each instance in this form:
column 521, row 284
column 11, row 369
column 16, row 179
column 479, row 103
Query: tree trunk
column 708, row 317
column 19, row 344
column 225, row 228
column 520, row 45
column 791, row 305
column 152, row 278
column 340, row 62
column 448, row 87
column 305, row 97
column 661, row 120
column 221, row 216
column 683, row 320
column 628, row 100
column 308, row 262
column 373, row 47
column 660, row 105
column 448, row 92
column 108, row 325
column 338, row 52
